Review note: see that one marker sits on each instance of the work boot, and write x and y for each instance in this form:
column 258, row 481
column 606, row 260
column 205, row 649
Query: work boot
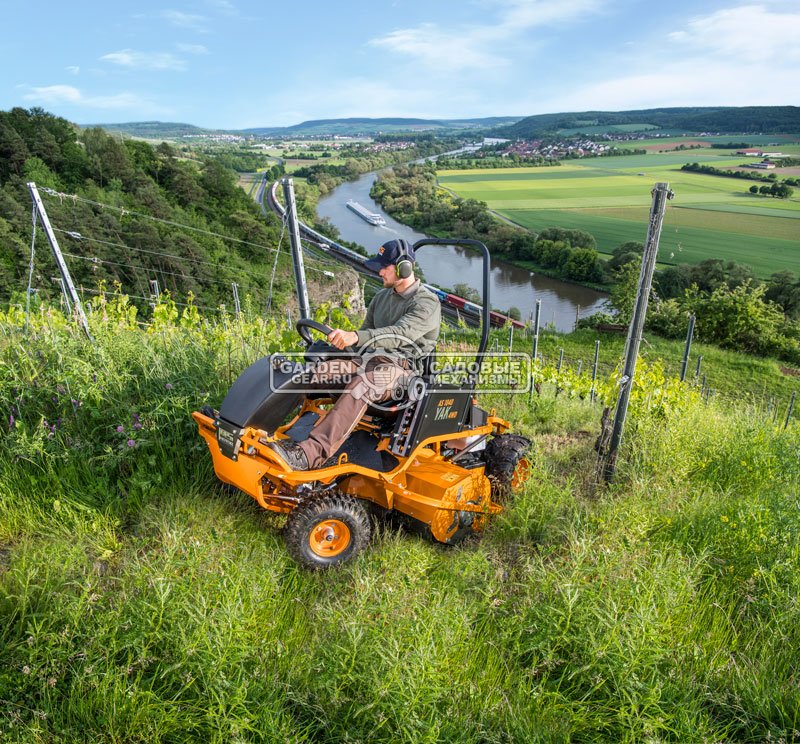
column 291, row 453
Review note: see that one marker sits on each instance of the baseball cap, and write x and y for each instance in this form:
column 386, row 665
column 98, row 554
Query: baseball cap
column 390, row 253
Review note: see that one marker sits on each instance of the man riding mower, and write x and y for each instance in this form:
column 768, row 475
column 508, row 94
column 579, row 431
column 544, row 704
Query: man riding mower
column 362, row 424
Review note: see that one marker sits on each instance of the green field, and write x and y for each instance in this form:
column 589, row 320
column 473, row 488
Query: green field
column 710, row 217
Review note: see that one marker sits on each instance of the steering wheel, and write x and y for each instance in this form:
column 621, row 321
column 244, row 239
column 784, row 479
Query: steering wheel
column 304, row 324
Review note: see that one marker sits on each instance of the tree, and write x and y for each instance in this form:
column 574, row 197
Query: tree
column 218, row 181
column 674, row 280
column 783, row 288
column 13, row 151
column 625, row 253
column 107, row 157
column 739, row 319
column 781, row 190
column 753, row 189
column 551, row 254
column 583, row 265
column 737, row 274
column 709, row 274
column 573, row 238
column 36, row 170
column 467, row 292
column 623, row 293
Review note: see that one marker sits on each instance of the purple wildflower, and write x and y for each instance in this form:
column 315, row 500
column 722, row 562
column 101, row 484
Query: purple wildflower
column 168, row 386
column 10, row 421
column 137, row 426
column 131, row 443
column 120, row 429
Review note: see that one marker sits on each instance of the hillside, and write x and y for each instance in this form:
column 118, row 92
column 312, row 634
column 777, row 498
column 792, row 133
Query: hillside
column 153, row 129
column 134, row 214
column 142, row 602
column 130, row 215
column 722, row 119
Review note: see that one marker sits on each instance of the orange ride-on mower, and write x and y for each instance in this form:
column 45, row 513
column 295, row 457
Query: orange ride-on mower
column 433, row 455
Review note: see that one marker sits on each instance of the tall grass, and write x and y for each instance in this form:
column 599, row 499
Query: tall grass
column 142, row 602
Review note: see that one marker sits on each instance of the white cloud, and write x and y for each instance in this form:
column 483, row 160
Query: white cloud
column 223, row 5
column 55, row 95
column 145, row 60
column 185, row 20
column 749, row 32
column 746, row 55
column 482, row 47
column 370, row 97
column 192, row 48
column 521, row 15
column 74, row 69
column 438, row 50
column 680, row 85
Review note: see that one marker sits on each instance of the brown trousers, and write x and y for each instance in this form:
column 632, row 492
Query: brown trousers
column 373, row 382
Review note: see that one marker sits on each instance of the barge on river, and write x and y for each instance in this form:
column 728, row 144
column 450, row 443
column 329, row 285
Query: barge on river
column 365, row 214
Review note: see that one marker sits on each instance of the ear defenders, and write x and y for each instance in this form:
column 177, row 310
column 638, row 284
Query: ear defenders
column 404, row 266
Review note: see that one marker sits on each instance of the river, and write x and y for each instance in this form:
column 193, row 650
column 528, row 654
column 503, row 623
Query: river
column 445, row 266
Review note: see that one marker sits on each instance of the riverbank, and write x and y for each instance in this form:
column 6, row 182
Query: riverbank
column 412, row 195
column 445, row 266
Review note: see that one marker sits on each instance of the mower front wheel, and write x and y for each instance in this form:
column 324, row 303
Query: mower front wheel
column 507, row 465
column 327, row 530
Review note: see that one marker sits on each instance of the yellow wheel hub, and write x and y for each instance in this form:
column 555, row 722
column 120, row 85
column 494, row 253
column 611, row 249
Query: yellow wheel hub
column 329, row 538
column 521, row 474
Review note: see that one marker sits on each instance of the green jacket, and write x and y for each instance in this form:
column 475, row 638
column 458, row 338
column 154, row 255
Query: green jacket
column 406, row 322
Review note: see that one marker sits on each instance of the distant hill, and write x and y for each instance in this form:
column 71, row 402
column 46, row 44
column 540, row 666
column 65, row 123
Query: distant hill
column 688, row 120
column 318, row 127
column 723, row 119
column 153, row 129
column 364, row 126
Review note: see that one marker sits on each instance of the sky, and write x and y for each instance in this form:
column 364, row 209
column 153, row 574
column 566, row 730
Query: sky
column 233, row 64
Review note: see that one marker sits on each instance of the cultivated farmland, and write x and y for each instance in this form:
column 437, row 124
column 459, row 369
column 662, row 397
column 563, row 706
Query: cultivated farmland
column 710, row 217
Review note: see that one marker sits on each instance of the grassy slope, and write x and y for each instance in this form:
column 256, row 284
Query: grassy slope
column 141, row 602
column 610, row 199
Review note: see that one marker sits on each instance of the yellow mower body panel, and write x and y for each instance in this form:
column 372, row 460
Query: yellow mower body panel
column 423, row 485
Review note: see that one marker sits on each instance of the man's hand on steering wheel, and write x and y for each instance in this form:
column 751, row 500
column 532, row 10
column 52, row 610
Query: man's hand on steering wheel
column 342, row 339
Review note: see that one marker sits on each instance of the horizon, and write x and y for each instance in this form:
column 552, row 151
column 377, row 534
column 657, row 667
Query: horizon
column 231, row 64
column 365, row 119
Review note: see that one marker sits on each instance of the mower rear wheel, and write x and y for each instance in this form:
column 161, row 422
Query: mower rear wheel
column 327, row 530
column 507, row 464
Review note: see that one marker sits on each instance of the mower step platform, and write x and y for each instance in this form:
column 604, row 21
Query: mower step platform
column 360, row 448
